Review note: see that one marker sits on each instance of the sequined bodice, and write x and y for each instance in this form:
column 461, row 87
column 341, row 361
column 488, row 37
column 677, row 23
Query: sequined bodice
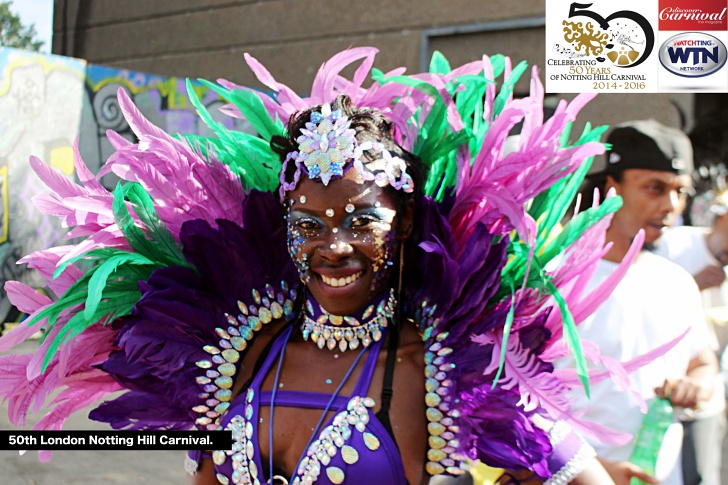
column 353, row 445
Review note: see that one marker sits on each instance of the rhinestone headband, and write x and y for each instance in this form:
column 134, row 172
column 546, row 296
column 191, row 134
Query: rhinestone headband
column 327, row 148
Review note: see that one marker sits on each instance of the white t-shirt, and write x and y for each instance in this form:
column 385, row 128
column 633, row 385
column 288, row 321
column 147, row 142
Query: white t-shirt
column 687, row 246
column 655, row 302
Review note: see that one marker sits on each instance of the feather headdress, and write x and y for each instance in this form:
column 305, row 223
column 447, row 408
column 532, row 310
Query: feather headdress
column 177, row 262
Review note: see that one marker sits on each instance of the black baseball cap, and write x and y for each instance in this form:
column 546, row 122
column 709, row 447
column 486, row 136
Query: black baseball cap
column 650, row 145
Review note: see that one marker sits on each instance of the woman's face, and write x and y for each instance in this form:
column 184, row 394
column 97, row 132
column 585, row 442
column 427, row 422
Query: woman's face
column 343, row 238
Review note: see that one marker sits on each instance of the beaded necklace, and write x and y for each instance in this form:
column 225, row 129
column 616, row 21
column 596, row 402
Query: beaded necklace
column 332, row 331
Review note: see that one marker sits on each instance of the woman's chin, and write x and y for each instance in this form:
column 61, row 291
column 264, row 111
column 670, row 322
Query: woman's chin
column 343, row 299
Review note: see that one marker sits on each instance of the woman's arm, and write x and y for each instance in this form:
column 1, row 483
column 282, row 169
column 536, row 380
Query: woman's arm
column 572, row 459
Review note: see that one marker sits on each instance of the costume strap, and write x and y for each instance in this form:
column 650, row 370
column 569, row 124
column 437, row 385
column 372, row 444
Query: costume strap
column 387, row 385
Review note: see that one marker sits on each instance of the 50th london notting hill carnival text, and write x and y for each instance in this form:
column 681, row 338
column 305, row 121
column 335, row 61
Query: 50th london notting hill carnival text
column 113, row 440
column 587, row 70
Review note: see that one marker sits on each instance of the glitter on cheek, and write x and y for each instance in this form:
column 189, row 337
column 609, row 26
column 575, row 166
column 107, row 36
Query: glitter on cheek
column 382, row 261
column 330, row 212
column 295, row 250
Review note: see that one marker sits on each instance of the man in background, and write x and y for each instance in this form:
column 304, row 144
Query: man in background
column 656, row 302
column 702, row 250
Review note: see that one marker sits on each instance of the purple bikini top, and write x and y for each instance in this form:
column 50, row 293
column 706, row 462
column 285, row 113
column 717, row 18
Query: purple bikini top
column 354, row 445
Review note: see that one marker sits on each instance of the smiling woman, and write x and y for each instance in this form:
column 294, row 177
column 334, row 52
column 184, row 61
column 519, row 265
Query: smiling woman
column 344, row 240
column 356, row 294
column 345, row 252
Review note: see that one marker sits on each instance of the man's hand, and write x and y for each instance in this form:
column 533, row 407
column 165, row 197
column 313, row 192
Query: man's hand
column 685, row 392
column 709, row 277
column 622, row 471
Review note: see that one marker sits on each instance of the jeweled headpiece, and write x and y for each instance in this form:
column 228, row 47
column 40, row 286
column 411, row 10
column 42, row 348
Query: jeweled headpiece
column 327, row 148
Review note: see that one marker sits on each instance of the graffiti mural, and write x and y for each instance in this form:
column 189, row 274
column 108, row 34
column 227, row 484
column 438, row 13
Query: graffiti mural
column 162, row 100
column 46, row 103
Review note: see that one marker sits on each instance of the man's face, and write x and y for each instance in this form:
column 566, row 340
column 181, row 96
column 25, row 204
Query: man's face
column 650, row 200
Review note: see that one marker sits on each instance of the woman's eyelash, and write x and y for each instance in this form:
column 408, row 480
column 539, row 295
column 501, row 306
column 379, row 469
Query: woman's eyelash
column 306, row 223
column 366, row 218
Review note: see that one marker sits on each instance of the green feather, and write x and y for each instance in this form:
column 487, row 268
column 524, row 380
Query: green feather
column 439, row 64
column 252, row 108
column 498, row 62
column 133, row 234
column 504, row 344
column 507, row 89
column 249, row 156
column 95, row 255
column 578, row 225
column 571, row 336
column 106, row 271
column 166, row 249
column 550, row 207
column 118, row 303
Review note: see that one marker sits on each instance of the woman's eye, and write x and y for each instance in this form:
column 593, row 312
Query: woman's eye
column 362, row 222
column 306, row 224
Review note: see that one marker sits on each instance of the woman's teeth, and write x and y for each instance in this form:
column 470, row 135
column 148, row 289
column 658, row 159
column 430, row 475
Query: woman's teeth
column 337, row 282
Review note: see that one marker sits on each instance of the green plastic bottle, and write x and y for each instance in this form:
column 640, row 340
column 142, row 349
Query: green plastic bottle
column 647, row 446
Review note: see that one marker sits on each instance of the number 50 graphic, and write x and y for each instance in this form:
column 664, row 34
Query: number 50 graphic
column 581, row 10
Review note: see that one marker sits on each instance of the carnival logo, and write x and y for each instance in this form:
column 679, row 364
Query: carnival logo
column 696, row 14
column 693, row 54
column 688, row 15
column 624, row 38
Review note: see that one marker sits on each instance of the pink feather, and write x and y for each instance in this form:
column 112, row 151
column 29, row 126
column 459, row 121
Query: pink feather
column 322, row 90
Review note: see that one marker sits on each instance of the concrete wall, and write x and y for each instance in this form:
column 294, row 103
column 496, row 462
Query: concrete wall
column 207, row 38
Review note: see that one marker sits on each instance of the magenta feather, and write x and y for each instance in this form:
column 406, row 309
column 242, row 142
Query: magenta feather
column 75, row 397
column 25, row 298
column 46, row 262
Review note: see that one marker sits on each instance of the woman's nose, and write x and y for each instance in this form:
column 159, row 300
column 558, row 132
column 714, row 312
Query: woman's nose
column 336, row 247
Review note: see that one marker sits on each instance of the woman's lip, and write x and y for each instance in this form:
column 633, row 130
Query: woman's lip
column 337, row 273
